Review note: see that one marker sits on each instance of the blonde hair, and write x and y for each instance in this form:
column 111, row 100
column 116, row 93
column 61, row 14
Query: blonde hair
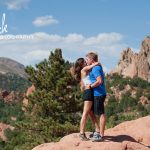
column 92, row 55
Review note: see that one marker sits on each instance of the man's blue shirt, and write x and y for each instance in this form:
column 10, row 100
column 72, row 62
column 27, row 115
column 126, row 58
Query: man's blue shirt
column 98, row 71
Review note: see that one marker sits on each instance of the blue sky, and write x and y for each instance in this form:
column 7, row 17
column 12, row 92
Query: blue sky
column 77, row 26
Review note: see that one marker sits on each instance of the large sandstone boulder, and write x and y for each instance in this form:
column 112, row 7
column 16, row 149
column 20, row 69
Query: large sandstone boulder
column 130, row 135
column 132, row 64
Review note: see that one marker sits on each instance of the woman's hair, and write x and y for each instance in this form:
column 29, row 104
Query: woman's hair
column 78, row 67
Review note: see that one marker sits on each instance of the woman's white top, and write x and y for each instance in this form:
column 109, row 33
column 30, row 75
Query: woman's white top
column 86, row 80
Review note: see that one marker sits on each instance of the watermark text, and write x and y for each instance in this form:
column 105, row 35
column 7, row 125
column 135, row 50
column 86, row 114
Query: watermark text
column 3, row 27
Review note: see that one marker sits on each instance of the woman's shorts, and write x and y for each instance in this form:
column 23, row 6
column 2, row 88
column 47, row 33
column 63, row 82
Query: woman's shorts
column 88, row 95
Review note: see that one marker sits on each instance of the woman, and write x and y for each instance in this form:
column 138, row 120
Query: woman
column 81, row 71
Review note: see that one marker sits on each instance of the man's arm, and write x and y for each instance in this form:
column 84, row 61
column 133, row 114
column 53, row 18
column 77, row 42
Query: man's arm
column 97, row 73
column 97, row 83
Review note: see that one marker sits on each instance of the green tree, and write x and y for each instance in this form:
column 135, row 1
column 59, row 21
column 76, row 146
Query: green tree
column 53, row 109
column 138, row 82
column 111, row 107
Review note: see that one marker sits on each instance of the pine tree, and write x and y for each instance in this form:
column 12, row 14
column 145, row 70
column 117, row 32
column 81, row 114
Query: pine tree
column 53, row 109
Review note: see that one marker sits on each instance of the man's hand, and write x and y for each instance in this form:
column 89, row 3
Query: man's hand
column 88, row 86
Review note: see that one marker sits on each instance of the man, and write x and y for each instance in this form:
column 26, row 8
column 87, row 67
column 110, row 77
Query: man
column 97, row 78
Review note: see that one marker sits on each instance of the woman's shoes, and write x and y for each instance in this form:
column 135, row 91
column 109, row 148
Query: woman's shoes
column 95, row 137
column 83, row 137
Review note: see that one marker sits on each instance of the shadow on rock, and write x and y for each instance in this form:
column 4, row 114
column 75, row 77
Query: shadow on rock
column 120, row 138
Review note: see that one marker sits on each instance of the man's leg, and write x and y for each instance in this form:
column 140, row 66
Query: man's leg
column 99, row 110
column 102, row 122
column 102, row 119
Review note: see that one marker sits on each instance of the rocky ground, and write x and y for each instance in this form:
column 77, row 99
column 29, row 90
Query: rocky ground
column 129, row 135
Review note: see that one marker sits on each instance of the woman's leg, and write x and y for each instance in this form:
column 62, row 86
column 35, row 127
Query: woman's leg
column 94, row 121
column 86, row 110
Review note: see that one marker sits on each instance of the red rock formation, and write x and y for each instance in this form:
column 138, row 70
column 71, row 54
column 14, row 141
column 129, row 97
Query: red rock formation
column 144, row 100
column 2, row 128
column 133, row 64
column 29, row 91
column 130, row 135
column 4, row 93
column 8, row 97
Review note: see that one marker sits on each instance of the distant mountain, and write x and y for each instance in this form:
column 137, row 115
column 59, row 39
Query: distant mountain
column 11, row 66
column 13, row 80
column 135, row 64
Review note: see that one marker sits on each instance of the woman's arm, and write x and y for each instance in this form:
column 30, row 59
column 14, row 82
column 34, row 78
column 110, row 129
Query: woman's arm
column 87, row 68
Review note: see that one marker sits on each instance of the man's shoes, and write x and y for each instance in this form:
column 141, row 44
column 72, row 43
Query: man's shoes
column 83, row 137
column 96, row 137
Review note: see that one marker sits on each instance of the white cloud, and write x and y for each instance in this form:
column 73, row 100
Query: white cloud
column 44, row 21
column 73, row 37
column 104, row 38
column 31, row 51
column 36, row 54
column 15, row 4
column 45, row 36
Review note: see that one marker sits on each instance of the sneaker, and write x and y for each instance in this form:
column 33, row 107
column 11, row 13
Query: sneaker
column 91, row 135
column 83, row 137
column 96, row 137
